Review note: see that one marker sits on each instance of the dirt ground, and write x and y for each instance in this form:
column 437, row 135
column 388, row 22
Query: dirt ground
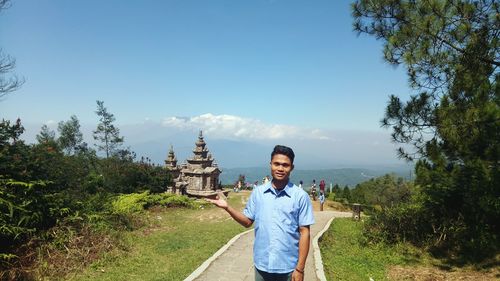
column 329, row 206
column 436, row 274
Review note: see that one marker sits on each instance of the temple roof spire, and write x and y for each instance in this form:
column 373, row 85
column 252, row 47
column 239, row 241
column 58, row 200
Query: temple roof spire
column 171, row 159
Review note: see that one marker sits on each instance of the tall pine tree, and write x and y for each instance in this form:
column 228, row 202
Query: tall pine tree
column 46, row 135
column 70, row 137
column 451, row 51
column 107, row 134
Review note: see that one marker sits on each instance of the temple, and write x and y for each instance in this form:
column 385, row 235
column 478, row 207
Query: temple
column 199, row 176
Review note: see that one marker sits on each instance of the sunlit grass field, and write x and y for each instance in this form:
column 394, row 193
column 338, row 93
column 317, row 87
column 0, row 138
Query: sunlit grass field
column 348, row 256
column 345, row 257
column 175, row 243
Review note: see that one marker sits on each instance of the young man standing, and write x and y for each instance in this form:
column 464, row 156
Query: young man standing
column 282, row 213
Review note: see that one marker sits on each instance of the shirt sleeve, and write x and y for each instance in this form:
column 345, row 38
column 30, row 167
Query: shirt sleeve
column 249, row 210
column 306, row 216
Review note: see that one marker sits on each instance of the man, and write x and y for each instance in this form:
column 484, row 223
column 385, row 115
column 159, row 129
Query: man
column 282, row 213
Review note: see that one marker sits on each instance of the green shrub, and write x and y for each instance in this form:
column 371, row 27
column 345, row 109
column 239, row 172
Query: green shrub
column 170, row 200
column 434, row 227
column 137, row 202
column 130, row 203
column 404, row 222
column 156, row 198
column 177, row 201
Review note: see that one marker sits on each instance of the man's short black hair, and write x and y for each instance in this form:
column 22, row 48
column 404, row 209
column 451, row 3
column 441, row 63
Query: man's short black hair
column 285, row 150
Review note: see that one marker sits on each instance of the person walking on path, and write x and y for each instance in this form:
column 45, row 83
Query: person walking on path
column 313, row 190
column 283, row 214
column 321, row 200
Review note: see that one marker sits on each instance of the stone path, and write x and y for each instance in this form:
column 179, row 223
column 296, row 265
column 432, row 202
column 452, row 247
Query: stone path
column 235, row 262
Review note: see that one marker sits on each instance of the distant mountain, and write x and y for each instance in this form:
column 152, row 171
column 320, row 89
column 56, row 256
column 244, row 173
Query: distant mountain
column 226, row 152
column 341, row 176
column 338, row 149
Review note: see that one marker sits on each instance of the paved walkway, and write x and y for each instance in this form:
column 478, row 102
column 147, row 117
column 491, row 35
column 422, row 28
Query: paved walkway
column 235, row 263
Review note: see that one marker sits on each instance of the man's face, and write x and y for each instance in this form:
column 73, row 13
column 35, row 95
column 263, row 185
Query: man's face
column 281, row 166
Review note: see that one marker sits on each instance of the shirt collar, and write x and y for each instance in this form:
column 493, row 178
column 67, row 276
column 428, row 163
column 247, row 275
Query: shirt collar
column 286, row 191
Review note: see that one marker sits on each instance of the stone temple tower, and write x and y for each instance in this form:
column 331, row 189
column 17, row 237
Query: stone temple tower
column 175, row 171
column 199, row 176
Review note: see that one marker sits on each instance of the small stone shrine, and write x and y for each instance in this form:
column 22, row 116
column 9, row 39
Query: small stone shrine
column 199, row 176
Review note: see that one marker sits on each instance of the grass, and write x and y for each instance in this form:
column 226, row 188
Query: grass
column 170, row 247
column 345, row 257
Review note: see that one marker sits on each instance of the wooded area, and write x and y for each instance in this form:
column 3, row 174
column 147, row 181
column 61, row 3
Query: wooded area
column 451, row 52
column 63, row 183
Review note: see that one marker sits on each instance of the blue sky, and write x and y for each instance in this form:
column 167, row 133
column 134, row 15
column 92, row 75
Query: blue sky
column 239, row 70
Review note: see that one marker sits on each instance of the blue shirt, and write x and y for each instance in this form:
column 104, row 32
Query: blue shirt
column 277, row 216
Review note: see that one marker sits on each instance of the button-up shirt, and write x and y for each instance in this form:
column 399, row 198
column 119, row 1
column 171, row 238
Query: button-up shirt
column 277, row 216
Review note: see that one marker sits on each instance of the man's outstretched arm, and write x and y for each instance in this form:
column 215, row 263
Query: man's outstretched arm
column 235, row 214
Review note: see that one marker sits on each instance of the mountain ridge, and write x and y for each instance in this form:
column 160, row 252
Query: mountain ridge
column 341, row 176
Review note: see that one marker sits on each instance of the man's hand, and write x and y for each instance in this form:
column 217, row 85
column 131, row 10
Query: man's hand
column 297, row 276
column 304, row 240
column 219, row 202
column 235, row 214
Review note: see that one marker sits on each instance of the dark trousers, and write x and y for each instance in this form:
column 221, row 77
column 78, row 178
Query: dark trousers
column 266, row 276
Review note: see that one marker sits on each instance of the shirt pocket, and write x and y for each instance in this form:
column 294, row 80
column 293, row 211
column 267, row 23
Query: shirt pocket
column 289, row 219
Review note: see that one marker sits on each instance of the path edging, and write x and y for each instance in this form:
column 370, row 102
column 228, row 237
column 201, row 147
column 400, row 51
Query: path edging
column 318, row 262
column 195, row 274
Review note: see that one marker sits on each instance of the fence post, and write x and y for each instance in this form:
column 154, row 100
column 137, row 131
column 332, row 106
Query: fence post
column 356, row 211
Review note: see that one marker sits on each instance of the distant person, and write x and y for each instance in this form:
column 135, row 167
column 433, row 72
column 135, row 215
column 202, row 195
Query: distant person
column 265, row 179
column 313, row 190
column 322, row 186
column 300, row 184
column 282, row 213
column 321, row 200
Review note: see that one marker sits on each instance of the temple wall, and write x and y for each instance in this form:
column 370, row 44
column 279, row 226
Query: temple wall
column 195, row 182
column 208, row 184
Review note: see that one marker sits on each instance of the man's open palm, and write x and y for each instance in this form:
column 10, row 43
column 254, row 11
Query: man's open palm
column 219, row 202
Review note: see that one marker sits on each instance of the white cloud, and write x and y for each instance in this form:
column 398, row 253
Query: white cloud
column 235, row 127
column 314, row 147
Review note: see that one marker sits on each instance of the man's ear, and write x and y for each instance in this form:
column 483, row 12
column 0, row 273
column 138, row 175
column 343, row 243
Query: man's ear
column 293, row 166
